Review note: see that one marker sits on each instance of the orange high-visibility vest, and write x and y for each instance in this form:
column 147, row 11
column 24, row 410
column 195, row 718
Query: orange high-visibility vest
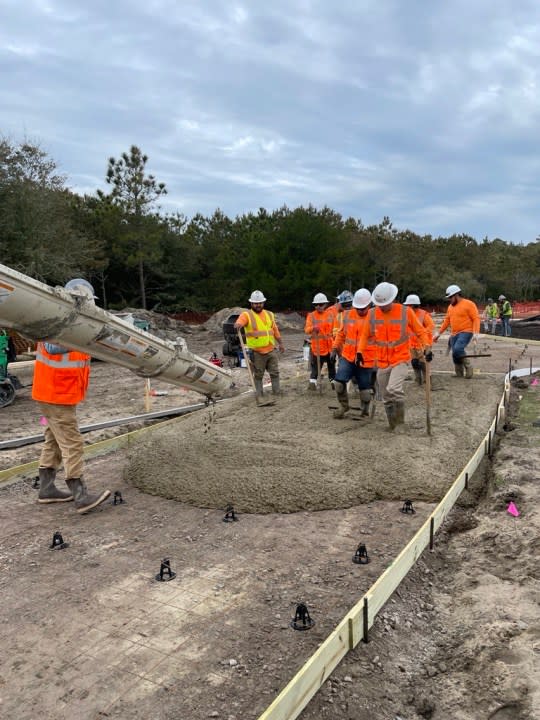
column 60, row 379
column 321, row 342
column 348, row 335
column 390, row 333
column 425, row 319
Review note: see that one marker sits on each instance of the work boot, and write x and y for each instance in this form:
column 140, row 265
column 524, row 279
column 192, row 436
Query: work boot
column 48, row 492
column 343, row 400
column 459, row 369
column 365, row 399
column 418, row 375
column 391, row 415
column 275, row 386
column 468, row 369
column 400, row 412
column 83, row 501
column 312, row 385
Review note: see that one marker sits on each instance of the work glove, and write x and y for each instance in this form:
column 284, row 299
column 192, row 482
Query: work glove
column 359, row 360
column 436, row 336
column 475, row 337
column 416, row 364
column 428, row 355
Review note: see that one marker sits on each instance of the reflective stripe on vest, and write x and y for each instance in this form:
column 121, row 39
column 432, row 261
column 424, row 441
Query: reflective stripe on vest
column 65, row 362
column 403, row 338
column 316, row 323
column 256, row 337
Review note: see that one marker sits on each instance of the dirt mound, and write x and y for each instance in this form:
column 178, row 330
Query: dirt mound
column 285, row 321
column 162, row 326
column 294, row 456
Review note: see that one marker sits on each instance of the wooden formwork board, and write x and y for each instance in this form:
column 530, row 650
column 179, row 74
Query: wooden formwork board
column 355, row 625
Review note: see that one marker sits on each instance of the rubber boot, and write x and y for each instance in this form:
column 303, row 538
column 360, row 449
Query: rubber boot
column 365, row 399
column 343, row 400
column 459, row 369
column 276, row 390
column 391, row 415
column 312, row 385
column 400, row 412
column 83, row 501
column 259, row 387
column 48, row 492
column 468, row 369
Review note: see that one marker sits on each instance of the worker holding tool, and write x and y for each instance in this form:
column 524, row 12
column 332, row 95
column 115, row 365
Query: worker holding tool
column 344, row 345
column 60, row 383
column 319, row 326
column 505, row 313
column 464, row 320
column 491, row 313
column 418, row 361
column 262, row 336
column 389, row 327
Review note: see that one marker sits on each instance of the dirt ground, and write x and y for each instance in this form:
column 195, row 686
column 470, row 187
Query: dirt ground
column 89, row 633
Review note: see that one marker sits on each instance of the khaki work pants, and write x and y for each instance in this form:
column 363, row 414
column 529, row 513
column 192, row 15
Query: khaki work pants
column 63, row 440
column 391, row 381
column 265, row 361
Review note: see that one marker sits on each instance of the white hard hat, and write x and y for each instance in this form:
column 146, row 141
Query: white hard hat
column 502, row 297
column 384, row 293
column 361, row 299
column 320, row 299
column 257, row 297
column 452, row 290
column 412, row 300
column 80, row 287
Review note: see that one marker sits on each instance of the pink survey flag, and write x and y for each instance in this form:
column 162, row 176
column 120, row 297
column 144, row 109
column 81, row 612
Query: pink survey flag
column 42, row 420
column 535, row 381
column 512, row 509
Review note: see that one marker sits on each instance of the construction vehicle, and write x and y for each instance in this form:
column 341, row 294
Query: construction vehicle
column 8, row 382
column 41, row 312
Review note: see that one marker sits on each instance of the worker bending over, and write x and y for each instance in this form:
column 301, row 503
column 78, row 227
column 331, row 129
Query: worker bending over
column 389, row 328
column 464, row 320
column 424, row 318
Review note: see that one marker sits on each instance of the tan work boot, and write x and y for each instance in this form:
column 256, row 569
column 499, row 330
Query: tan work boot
column 83, row 501
column 343, row 400
column 48, row 492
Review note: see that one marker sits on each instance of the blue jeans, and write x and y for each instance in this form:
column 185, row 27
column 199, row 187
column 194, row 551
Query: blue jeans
column 458, row 343
column 348, row 370
column 506, row 329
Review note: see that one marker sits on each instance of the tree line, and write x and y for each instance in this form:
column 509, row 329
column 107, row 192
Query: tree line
column 138, row 256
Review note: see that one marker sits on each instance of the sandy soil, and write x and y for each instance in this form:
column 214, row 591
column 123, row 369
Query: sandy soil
column 458, row 640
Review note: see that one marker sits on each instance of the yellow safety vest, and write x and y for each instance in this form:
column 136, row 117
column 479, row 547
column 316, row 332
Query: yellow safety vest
column 260, row 329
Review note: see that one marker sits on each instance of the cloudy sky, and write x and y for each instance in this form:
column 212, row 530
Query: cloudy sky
column 428, row 112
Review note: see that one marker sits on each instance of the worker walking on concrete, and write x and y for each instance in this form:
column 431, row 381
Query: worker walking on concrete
column 319, row 327
column 505, row 313
column 418, row 361
column 60, row 383
column 491, row 313
column 345, row 344
column 389, row 328
column 464, row 320
column 262, row 336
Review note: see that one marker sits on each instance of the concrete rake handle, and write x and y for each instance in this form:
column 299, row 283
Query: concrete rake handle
column 248, row 361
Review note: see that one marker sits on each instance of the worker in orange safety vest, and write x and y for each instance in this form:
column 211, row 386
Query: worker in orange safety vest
column 60, row 383
column 418, row 361
column 319, row 327
column 389, row 327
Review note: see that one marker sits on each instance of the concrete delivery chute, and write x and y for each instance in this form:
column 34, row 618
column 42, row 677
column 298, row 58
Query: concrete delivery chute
column 40, row 312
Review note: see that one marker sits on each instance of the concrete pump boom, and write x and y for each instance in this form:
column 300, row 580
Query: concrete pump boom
column 40, row 312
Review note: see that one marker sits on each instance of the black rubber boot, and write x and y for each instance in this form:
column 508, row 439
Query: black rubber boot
column 343, row 400
column 400, row 412
column 48, row 492
column 276, row 390
column 459, row 369
column 259, row 388
column 83, row 501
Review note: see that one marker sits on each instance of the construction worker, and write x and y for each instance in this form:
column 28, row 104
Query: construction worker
column 343, row 302
column 389, row 327
column 491, row 313
column 60, row 382
column 344, row 345
column 418, row 361
column 505, row 313
column 464, row 320
column 319, row 326
column 262, row 335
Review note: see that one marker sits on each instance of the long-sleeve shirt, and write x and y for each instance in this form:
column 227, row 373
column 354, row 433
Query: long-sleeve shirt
column 462, row 317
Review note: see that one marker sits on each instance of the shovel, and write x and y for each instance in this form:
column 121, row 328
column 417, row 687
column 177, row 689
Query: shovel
column 258, row 400
column 319, row 379
column 428, row 398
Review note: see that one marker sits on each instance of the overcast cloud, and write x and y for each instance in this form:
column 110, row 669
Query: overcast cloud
column 428, row 112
